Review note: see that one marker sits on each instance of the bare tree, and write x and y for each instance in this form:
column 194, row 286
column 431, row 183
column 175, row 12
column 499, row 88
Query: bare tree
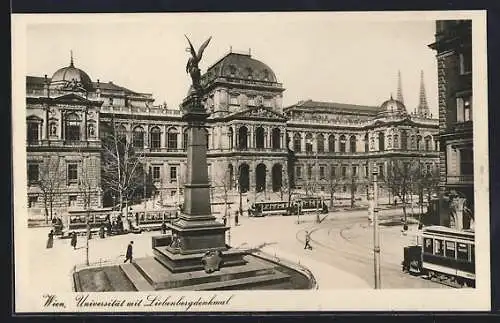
column 52, row 175
column 87, row 187
column 122, row 166
column 400, row 180
column 332, row 184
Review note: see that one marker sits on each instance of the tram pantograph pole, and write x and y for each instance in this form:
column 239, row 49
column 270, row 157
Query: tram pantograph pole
column 376, row 235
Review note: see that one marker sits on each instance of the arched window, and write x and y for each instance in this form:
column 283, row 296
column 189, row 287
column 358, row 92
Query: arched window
column 242, row 138
column 309, row 145
column 352, row 144
column 413, row 142
column 396, row 142
column 297, row 143
column 367, row 148
column 276, row 138
column 381, row 141
column 342, row 144
column 232, row 70
column 419, row 140
column 185, row 139
column 230, row 134
column 249, row 73
column 427, row 141
column 320, row 143
column 72, row 127
column 138, row 137
column 266, row 75
column 172, row 139
column 155, row 138
column 259, row 138
column 331, row 143
column 33, row 129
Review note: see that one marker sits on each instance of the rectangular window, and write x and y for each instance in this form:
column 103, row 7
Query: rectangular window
column 32, row 200
column 32, row 132
column 464, row 109
column 438, row 247
column 462, row 252
column 450, row 249
column 344, row 171
column 309, row 172
column 466, row 161
column 33, row 173
column 173, row 174
column 322, row 172
column 366, row 170
column 156, row 173
column 172, row 141
column 233, row 100
column 333, row 173
column 72, row 173
column 72, row 200
column 299, row 172
column 465, row 62
column 381, row 170
column 354, row 171
column 428, row 245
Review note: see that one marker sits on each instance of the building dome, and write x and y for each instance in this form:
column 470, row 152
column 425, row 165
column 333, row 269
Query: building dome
column 392, row 108
column 242, row 66
column 71, row 75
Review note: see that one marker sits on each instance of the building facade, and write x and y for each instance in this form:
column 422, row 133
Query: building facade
column 453, row 48
column 249, row 135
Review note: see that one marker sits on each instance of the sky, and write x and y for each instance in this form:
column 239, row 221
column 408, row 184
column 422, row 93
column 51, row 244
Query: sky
column 318, row 56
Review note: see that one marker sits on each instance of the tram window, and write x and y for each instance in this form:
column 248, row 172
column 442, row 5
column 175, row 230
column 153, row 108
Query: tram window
column 462, row 251
column 450, row 249
column 438, row 247
column 428, row 245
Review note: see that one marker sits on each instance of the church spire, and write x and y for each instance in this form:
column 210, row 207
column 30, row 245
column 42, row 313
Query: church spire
column 400, row 89
column 71, row 58
column 423, row 108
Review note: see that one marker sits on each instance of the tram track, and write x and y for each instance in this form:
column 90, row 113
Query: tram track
column 354, row 255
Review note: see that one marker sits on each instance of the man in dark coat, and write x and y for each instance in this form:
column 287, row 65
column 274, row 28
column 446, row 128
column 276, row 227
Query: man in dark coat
column 73, row 240
column 308, row 241
column 50, row 241
column 128, row 255
column 236, row 215
column 163, row 227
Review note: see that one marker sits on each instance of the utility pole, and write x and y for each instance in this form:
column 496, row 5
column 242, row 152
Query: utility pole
column 376, row 235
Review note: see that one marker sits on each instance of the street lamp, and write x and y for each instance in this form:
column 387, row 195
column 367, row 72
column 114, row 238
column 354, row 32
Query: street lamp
column 376, row 235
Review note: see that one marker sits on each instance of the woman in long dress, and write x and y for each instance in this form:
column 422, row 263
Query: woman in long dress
column 50, row 240
column 73, row 240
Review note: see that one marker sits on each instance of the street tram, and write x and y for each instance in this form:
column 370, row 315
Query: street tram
column 260, row 209
column 311, row 204
column 445, row 254
column 76, row 220
column 153, row 219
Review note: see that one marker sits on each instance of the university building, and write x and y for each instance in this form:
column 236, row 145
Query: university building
column 453, row 48
column 254, row 143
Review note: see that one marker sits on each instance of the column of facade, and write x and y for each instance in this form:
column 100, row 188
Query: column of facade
column 163, row 137
column 180, row 134
column 251, row 137
column 269, row 174
column 251, row 175
column 235, row 142
column 290, row 136
column 303, row 141
column 84, row 134
column 146, row 136
column 61, row 128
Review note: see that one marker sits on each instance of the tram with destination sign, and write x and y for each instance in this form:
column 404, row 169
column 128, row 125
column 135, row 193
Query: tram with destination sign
column 445, row 254
column 260, row 209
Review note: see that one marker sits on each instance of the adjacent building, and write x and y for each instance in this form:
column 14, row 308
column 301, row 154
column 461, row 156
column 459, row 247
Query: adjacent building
column 251, row 136
column 453, row 48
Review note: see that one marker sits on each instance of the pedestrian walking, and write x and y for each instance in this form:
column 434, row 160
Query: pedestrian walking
column 50, row 241
column 163, row 227
column 225, row 220
column 236, row 215
column 128, row 255
column 101, row 232
column 308, row 241
column 73, row 240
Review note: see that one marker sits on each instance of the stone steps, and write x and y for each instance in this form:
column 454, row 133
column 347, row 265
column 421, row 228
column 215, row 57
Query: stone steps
column 240, row 283
column 140, row 283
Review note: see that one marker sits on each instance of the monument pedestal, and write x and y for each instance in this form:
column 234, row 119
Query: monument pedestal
column 196, row 231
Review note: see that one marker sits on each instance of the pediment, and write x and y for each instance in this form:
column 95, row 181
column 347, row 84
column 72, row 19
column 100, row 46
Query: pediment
column 72, row 98
column 258, row 113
